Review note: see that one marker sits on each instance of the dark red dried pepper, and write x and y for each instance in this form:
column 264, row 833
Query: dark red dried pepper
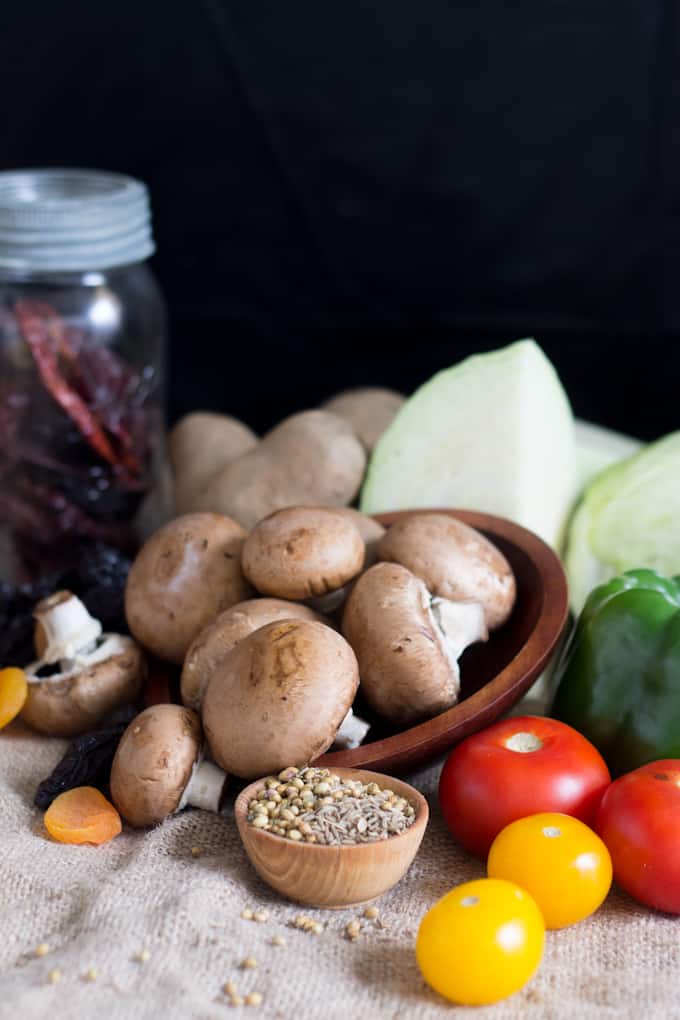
column 76, row 467
column 40, row 329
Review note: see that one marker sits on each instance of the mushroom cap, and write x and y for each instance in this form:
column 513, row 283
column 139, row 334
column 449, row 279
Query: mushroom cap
column 198, row 446
column 302, row 552
column 455, row 561
column 217, row 639
column 154, row 762
column 406, row 671
column 368, row 409
column 278, row 697
column 73, row 702
column 312, row 458
column 371, row 533
column 187, row 573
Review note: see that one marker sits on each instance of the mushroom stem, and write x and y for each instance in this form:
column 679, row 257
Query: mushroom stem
column 460, row 623
column 67, row 627
column 204, row 789
column 352, row 731
column 84, row 658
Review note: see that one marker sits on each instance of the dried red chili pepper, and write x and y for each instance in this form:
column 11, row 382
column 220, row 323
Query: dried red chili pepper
column 44, row 332
column 75, row 467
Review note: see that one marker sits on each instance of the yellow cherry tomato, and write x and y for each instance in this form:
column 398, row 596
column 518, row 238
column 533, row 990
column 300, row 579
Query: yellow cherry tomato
column 563, row 864
column 481, row 942
column 13, row 694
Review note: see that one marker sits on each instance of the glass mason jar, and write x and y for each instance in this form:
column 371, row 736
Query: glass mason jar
column 82, row 338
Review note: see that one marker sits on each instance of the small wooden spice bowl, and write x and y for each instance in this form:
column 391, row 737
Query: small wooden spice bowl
column 333, row 876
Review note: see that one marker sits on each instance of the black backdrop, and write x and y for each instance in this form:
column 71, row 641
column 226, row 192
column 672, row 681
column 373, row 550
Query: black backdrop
column 365, row 192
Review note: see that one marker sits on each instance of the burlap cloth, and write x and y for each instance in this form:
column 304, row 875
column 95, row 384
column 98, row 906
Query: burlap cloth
column 98, row 907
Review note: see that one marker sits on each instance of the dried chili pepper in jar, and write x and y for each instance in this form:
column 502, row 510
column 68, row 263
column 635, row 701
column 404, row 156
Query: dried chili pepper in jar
column 82, row 337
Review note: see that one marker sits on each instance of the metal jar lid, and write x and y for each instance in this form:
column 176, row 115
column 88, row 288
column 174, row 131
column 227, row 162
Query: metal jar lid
column 72, row 220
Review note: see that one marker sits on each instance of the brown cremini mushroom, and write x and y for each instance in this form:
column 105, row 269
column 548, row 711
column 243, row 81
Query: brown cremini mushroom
column 455, row 561
column 216, row 640
column 279, row 697
column 187, row 573
column 82, row 674
column 369, row 410
column 312, row 458
column 198, row 446
column 302, row 552
column 158, row 768
column 371, row 532
column 408, row 643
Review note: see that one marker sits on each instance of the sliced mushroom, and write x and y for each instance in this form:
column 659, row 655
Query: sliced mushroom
column 302, row 552
column 82, row 675
column 182, row 578
column 158, row 768
column 408, row 643
column 455, row 561
column 216, row 640
column 279, row 697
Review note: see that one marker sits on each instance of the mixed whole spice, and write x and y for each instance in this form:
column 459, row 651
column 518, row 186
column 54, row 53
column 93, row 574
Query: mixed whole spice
column 314, row 805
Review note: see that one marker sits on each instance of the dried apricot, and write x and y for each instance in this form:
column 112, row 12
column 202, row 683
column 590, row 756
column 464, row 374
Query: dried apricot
column 13, row 694
column 82, row 815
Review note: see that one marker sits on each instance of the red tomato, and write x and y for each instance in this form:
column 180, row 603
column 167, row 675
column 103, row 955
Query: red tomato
column 639, row 821
column 514, row 768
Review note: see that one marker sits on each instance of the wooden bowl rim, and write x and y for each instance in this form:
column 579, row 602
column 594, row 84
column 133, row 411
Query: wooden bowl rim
column 272, row 839
column 517, row 676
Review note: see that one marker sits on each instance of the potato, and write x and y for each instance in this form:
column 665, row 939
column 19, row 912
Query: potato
column 199, row 445
column 369, row 410
column 311, row 459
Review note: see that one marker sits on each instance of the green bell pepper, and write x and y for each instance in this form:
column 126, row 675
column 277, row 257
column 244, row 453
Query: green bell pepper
column 619, row 674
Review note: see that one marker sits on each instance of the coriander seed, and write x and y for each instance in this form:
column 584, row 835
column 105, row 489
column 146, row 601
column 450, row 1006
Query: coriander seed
column 317, row 806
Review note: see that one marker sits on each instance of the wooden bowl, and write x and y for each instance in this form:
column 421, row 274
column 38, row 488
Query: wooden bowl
column 495, row 674
column 333, row 876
